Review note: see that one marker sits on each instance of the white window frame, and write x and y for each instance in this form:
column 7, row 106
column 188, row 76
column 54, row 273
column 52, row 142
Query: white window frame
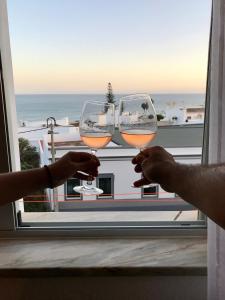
column 10, row 162
column 10, row 158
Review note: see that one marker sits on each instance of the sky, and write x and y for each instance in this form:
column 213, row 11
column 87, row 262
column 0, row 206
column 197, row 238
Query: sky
column 78, row 46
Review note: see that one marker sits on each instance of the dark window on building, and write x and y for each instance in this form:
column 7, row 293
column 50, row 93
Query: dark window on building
column 150, row 192
column 106, row 183
column 69, row 191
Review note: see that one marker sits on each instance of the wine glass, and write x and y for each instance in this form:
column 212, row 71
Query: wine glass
column 137, row 120
column 97, row 124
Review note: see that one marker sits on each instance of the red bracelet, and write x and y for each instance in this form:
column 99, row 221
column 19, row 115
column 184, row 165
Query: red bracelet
column 50, row 181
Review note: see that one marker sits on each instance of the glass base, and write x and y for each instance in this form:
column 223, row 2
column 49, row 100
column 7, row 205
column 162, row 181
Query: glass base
column 149, row 185
column 85, row 190
column 145, row 186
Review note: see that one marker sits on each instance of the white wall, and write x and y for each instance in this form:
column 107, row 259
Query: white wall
column 124, row 176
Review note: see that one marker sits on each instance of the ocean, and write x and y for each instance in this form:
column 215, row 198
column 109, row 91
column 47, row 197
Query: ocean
column 38, row 107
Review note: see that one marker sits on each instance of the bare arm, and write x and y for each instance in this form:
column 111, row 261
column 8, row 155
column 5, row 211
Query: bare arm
column 202, row 186
column 16, row 185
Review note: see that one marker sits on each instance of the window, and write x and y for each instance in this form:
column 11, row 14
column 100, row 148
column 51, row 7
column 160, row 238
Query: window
column 106, row 183
column 150, row 192
column 44, row 88
column 69, row 185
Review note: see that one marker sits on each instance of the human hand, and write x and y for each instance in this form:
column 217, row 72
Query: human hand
column 156, row 166
column 71, row 164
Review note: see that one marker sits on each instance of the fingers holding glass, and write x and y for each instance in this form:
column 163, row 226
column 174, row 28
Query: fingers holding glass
column 83, row 176
column 141, row 182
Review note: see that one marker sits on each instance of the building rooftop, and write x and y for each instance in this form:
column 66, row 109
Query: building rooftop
column 174, row 136
column 185, row 140
column 122, row 152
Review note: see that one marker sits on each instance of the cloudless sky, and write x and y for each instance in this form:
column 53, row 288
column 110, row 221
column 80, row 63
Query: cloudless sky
column 78, row 46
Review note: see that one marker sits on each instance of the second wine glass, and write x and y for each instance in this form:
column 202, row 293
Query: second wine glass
column 137, row 120
column 97, row 124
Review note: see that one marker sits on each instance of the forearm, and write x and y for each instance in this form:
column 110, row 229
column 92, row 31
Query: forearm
column 16, row 185
column 204, row 187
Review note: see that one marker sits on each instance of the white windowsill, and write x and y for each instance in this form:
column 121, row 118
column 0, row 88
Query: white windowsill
column 108, row 257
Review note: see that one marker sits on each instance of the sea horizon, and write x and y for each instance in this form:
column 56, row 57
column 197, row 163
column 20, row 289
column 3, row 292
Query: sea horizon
column 36, row 107
column 103, row 93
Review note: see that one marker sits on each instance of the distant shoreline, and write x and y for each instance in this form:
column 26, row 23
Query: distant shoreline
column 36, row 107
column 118, row 94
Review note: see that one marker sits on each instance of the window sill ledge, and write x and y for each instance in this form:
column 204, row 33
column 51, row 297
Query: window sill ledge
column 103, row 257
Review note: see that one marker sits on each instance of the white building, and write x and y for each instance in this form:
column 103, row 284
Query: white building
column 116, row 173
column 184, row 115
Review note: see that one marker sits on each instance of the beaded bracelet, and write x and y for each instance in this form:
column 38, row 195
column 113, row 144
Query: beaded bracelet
column 50, row 181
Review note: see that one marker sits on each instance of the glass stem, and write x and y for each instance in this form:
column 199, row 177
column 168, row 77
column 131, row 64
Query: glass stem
column 93, row 151
column 89, row 181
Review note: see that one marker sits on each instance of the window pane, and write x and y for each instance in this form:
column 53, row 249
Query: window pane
column 154, row 47
column 70, row 184
column 150, row 191
column 105, row 183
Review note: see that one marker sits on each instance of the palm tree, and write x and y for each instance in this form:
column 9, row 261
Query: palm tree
column 29, row 157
